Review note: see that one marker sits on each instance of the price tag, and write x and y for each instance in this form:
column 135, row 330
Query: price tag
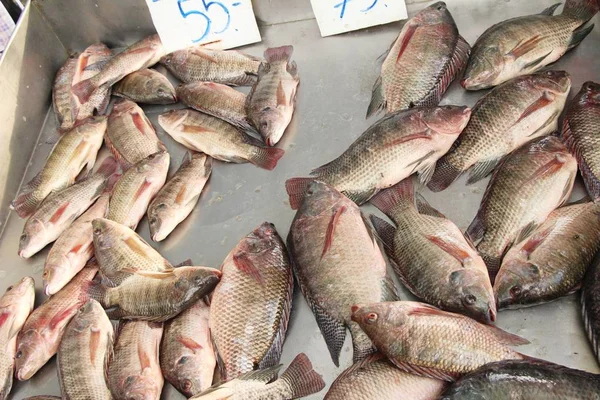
column 337, row 16
column 182, row 23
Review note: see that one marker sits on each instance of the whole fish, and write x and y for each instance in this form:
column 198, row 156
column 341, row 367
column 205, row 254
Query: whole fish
column 590, row 306
column 298, row 380
column 84, row 354
column 337, row 263
column 523, row 45
column 551, row 262
column 200, row 64
column 250, row 307
column 217, row 138
column 146, row 86
column 422, row 63
column 523, row 191
column 581, row 135
column 134, row 372
column 177, row 199
column 134, row 191
column 74, row 151
column 518, row 379
column 503, row 120
column 39, row 339
column 61, row 93
column 15, row 305
column 391, row 150
column 271, row 102
column 423, row 340
column 431, row 256
column 93, row 57
column 187, row 356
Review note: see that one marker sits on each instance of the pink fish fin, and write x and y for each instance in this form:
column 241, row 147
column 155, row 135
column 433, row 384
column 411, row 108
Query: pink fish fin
column 445, row 173
column 279, row 54
column 59, row 213
column 83, row 90
column 405, row 38
column 142, row 124
column 62, row 317
column 536, row 240
column 7, row 319
column 195, row 129
column 482, row 169
column 144, row 358
column 136, row 245
column 385, row 231
column 330, row 233
column 266, row 157
column 583, row 10
column 378, row 101
column 426, row 310
column 506, row 337
column 94, row 344
column 281, row 98
column 296, row 188
column 142, row 189
column 426, row 371
column 548, row 169
column 75, row 249
column 525, row 46
column 425, row 208
column 203, row 54
column 189, row 343
column 181, row 197
column 243, row 263
column 154, row 274
column 460, row 254
column 395, row 198
column 544, row 100
column 301, row 378
column 414, row 136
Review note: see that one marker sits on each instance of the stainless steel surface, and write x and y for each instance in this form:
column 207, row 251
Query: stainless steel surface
column 336, row 77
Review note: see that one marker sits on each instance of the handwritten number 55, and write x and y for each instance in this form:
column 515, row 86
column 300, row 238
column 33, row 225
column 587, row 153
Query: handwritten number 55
column 205, row 19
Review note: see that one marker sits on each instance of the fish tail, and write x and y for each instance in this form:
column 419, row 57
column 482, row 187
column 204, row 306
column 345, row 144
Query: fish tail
column 25, row 204
column 83, row 90
column 399, row 196
column 267, row 157
column 279, row 54
column 493, row 265
column 97, row 291
column 377, row 98
column 301, row 379
column 362, row 347
column 445, row 173
column 296, row 189
column 581, row 9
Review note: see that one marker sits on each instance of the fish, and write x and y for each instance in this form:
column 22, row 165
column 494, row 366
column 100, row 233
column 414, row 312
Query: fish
column 40, row 337
column 590, row 306
column 146, row 86
column 84, row 354
column 337, row 263
column 75, row 151
column 200, row 64
column 298, row 380
column 426, row 341
column 526, row 44
column 272, row 99
column 217, row 138
column 61, row 93
column 134, row 372
column 187, row 356
column 551, row 262
column 525, row 379
column 43, row 397
column 503, row 120
column 389, row 151
column 15, row 306
column 177, row 199
column 421, row 63
column 431, row 256
column 580, row 134
column 523, row 191
column 93, row 57
column 134, row 191
column 250, row 307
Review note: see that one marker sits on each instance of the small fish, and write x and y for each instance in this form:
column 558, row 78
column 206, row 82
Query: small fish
column 94, row 56
column 61, row 93
column 590, row 306
column 146, row 86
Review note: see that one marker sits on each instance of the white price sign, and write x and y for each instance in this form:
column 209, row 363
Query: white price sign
column 337, row 16
column 182, row 23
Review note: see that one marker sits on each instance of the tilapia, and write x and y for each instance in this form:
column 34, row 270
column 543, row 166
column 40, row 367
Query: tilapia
column 503, row 120
column 74, row 151
column 250, row 307
column 337, row 263
column 61, row 93
column 391, row 150
column 93, row 57
column 523, row 191
column 431, row 256
column 590, row 306
column 298, row 380
column 217, row 138
column 177, row 199
column 523, row 45
column 271, row 102
column 422, row 63
column 146, row 86
column 84, row 354
column 423, row 340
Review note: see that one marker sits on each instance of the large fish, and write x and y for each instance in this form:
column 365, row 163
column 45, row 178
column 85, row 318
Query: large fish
column 61, row 93
column 422, row 63
column 590, row 305
column 337, row 263
column 523, row 191
column 509, row 116
column 146, row 86
column 93, row 57
column 250, row 307
column 523, row 45
column 431, row 256
column 391, row 150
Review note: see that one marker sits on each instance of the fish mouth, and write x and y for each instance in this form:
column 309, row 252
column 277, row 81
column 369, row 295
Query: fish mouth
column 23, row 375
column 492, row 315
column 471, row 84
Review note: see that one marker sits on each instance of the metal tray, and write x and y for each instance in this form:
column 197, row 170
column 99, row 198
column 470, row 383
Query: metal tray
column 337, row 74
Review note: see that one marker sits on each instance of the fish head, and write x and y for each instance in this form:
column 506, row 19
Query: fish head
column 196, row 281
column 319, row 198
column 33, row 238
column 518, row 281
column 140, row 387
column 434, row 14
column 260, row 239
column 156, row 162
column 473, row 294
column 104, row 233
column 172, row 119
column 558, row 82
column 271, row 124
column 161, row 87
column 18, row 301
column 30, row 355
column 190, row 380
column 161, row 221
column 175, row 58
column 590, row 93
column 485, row 68
column 447, row 120
column 54, row 276
column 379, row 317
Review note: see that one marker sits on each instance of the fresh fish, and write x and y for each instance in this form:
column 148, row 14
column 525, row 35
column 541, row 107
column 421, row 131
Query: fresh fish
column 503, row 120
column 431, row 256
column 250, row 307
column 423, row 340
column 200, row 64
column 177, row 199
column 391, row 150
column 61, row 93
column 272, row 99
column 187, row 356
column 93, row 57
column 42, row 397
column 134, row 372
column 590, row 305
column 337, row 263
column 298, row 380
column 551, row 262
column 422, row 63
column 523, row 191
column 523, row 45
column 217, row 138
column 74, row 151
column 146, row 86
column 581, row 135
column 134, row 191
column 84, row 354
column 518, row 379
column 39, row 339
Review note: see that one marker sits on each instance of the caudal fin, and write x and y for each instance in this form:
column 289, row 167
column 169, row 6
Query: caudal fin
column 581, row 9
column 83, row 90
column 296, row 189
column 279, row 54
column 399, row 196
column 445, row 173
column 493, row 265
column 301, row 378
column 25, row 204
column 97, row 291
column 267, row 157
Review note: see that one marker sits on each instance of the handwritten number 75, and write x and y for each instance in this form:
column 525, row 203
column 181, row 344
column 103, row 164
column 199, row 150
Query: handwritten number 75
column 342, row 7
column 206, row 21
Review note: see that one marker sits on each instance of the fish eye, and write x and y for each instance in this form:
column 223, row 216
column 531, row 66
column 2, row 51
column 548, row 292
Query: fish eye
column 470, row 299
column 129, row 380
column 97, row 231
column 183, row 360
column 8, row 289
column 372, row 317
column 515, row 291
column 19, row 354
column 440, row 7
column 23, row 237
column 160, row 91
